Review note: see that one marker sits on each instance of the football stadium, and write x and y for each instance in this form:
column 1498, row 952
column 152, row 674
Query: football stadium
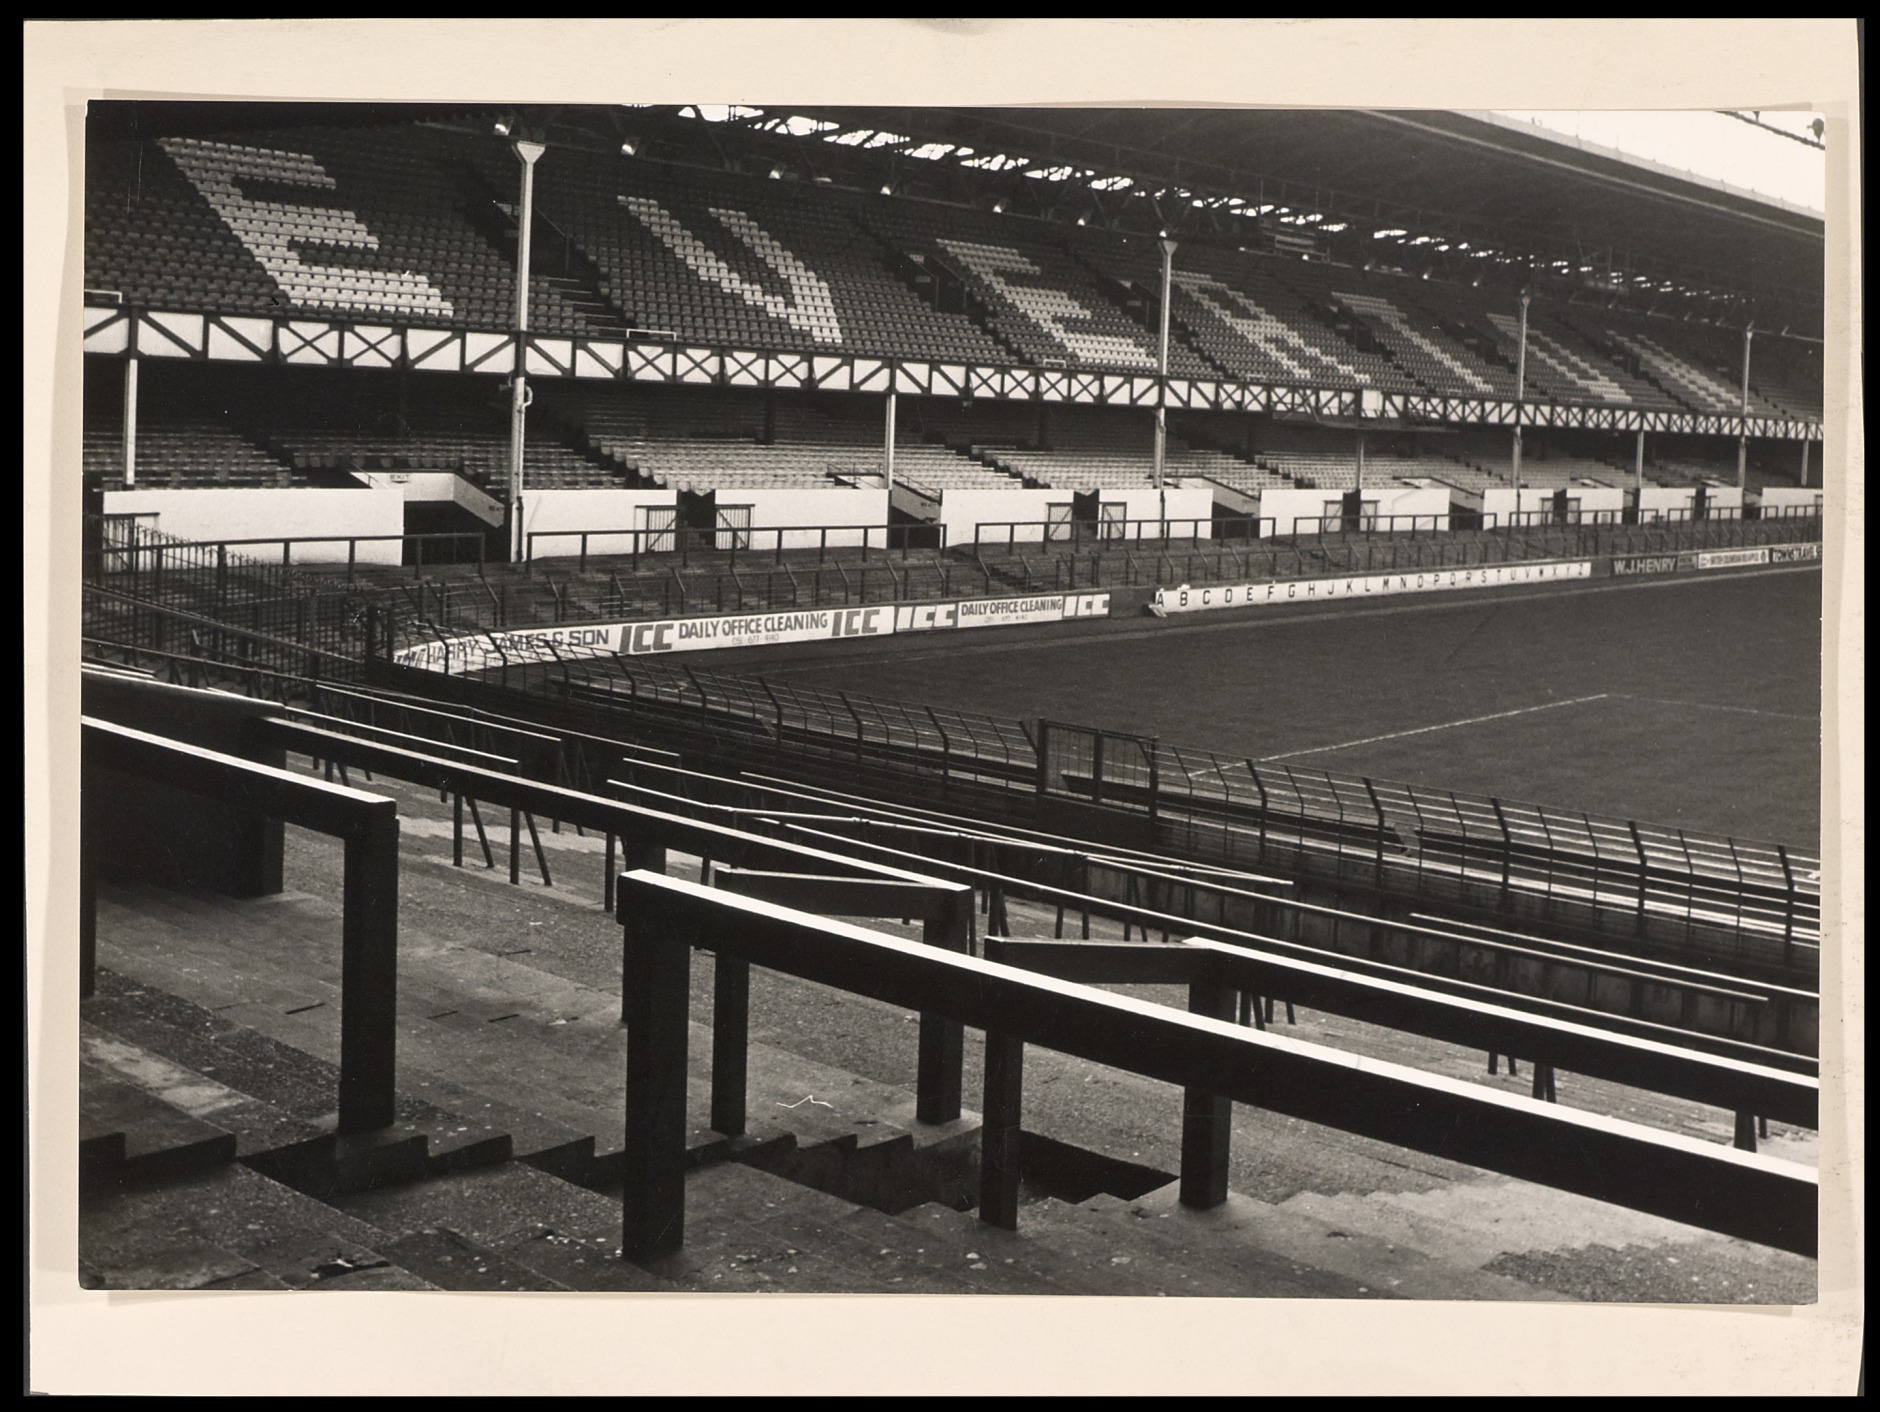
column 543, row 829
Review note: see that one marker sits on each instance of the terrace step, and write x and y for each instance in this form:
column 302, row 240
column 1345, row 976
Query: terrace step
column 1058, row 1251
column 1109, row 1255
column 455, row 1262
column 302, row 1150
column 478, row 1028
column 747, row 1230
column 1246, row 1234
column 533, row 1220
column 129, row 1137
column 232, row 1228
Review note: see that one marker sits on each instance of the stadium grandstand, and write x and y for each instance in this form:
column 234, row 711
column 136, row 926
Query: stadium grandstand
column 444, row 929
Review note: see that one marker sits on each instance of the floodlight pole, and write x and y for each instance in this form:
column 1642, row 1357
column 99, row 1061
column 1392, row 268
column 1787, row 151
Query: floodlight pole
column 1161, row 365
column 1742, row 440
column 1520, row 406
column 130, row 425
column 528, row 153
column 887, row 450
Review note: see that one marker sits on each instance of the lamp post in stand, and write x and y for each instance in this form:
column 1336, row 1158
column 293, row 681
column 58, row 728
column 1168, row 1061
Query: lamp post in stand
column 528, row 153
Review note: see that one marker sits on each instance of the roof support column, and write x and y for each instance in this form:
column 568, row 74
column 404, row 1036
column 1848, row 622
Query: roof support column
column 1161, row 366
column 887, row 447
column 1742, row 440
column 130, row 423
column 1520, row 402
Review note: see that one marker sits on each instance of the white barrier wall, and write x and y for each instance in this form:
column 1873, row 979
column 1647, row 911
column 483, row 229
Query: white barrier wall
column 776, row 508
column 426, row 487
column 1599, row 501
column 1180, row 505
column 1723, row 502
column 1789, row 499
column 599, row 509
column 1295, row 511
column 271, row 512
column 962, row 509
column 1422, row 501
column 1665, row 502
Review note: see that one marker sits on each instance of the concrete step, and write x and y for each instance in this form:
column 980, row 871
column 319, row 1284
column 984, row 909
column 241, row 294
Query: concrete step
column 1041, row 1262
column 129, row 1137
column 231, row 1228
column 560, row 1231
column 937, row 1237
column 282, row 1144
column 1110, row 1257
column 748, row 1231
column 256, row 1125
column 455, row 1262
column 1258, row 1234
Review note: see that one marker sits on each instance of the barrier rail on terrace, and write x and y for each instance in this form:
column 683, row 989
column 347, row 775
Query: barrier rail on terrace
column 727, row 542
column 1412, row 525
column 1725, row 1014
column 1513, row 858
column 305, row 636
column 128, row 566
column 1214, row 1061
column 299, row 599
column 366, row 824
column 127, row 547
column 1197, row 529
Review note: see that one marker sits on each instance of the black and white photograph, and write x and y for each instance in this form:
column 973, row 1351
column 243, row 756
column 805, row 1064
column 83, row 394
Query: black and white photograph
column 1233, row 703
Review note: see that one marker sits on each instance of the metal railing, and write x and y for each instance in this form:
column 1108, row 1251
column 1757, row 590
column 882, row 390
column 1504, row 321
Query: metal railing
column 1075, row 534
column 131, row 548
column 1415, row 526
column 728, row 541
column 1216, row 1063
column 1752, row 903
column 220, row 579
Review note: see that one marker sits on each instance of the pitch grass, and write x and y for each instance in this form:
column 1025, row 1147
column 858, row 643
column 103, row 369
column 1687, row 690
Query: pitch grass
column 1706, row 712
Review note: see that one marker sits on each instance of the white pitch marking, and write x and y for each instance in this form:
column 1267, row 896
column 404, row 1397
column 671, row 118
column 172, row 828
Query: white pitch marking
column 1446, row 725
column 1714, row 706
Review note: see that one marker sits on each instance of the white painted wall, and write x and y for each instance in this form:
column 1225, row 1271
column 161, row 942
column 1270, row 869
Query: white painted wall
column 774, row 508
column 962, row 510
column 1724, row 502
column 1419, row 500
column 1789, row 497
column 597, row 509
column 1179, row 505
column 1295, row 511
column 1598, row 500
column 1498, row 502
column 1298, row 511
column 1660, row 502
column 415, row 485
column 218, row 514
column 429, row 486
column 1241, row 502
